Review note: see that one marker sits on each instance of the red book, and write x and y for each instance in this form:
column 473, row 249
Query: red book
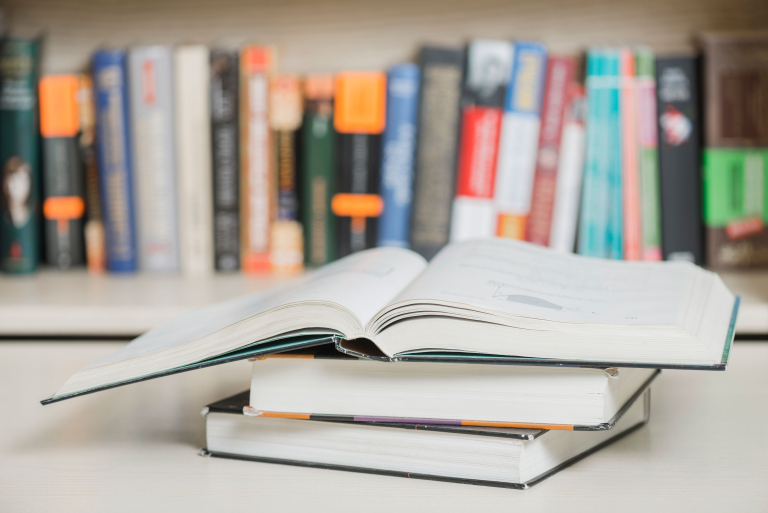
column 560, row 74
column 478, row 152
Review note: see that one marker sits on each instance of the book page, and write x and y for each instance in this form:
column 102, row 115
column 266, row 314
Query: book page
column 519, row 278
column 363, row 282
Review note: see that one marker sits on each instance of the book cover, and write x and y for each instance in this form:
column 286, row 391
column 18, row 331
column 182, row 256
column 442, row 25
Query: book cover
column 19, row 157
column 150, row 72
column 565, row 212
column 193, row 146
column 359, row 118
column 258, row 188
column 679, row 129
column 436, row 148
column 398, row 152
column 318, row 171
column 114, row 162
column 487, row 74
column 629, row 157
column 63, row 202
column 650, row 200
column 561, row 71
column 519, row 138
column 226, row 159
column 286, row 253
column 95, row 250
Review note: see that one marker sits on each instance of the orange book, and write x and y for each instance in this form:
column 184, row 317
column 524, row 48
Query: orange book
column 360, row 106
column 629, row 157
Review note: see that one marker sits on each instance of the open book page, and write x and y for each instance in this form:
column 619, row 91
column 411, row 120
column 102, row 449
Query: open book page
column 524, row 279
column 364, row 283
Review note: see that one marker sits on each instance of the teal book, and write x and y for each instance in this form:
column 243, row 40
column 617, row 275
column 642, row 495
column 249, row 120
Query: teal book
column 19, row 157
column 613, row 156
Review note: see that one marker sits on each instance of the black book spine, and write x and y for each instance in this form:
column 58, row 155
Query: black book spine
column 225, row 138
column 436, row 148
column 359, row 157
column 680, row 122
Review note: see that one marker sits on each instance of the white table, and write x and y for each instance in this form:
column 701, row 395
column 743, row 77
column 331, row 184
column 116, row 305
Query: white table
column 135, row 449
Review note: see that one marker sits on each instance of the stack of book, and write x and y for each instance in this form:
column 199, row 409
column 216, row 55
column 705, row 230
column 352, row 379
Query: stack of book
column 497, row 363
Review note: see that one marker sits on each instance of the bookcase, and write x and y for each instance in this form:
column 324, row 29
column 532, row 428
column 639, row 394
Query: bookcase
column 312, row 36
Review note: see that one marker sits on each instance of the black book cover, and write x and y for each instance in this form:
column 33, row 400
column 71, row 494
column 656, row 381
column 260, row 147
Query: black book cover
column 680, row 122
column 224, row 136
column 436, row 148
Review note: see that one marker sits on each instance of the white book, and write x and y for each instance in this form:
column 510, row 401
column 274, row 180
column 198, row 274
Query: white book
column 150, row 73
column 193, row 144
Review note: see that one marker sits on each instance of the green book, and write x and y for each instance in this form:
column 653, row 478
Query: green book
column 318, row 172
column 19, row 157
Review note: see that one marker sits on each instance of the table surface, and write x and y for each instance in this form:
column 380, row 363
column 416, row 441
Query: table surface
column 135, row 448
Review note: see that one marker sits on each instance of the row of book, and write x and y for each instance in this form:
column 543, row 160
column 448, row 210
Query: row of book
column 197, row 159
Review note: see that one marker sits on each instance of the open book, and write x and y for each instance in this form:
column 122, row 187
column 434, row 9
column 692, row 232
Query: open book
column 485, row 301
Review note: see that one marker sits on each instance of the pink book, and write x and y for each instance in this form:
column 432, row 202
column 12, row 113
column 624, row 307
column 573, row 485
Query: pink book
column 629, row 158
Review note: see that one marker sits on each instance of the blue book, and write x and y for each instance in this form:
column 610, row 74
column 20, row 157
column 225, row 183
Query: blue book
column 614, row 171
column 398, row 149
column 114, row 158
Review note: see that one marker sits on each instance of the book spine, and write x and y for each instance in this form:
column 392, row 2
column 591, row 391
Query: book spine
column 398, row 151
column 560, row 75
column 114, row 159
column 285, row 114
column 63, row 202
column 649, row 156
column 614, row 150
column 474, row 213
column 19, row 157
column 95, row 250
column 150, row 71
column 630, row 158
column 436, row 149
column 565, row 214
column 359, row 118
column 519, row 138
column 318, row 170
column 193, row 143
column 258, row 190
column 679, row 129
column 225, row 154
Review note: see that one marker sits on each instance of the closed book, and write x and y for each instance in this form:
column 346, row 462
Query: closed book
column 561, row 71
column 318, row 171
column 679, row 128
column 630, row 160
column 286, row 252
column 436, row 148
column 258, row 187
column 193, row 146
column 19, row 157
column 359, row 118
column 225, row 77
column 485, row 83
column 398, row 152
column 95, row 250
column 565, row 212
column 615, row 241
column 519, row 139
column 650, row 197
column 115, row 162
column 63, row 201
column 150, row 70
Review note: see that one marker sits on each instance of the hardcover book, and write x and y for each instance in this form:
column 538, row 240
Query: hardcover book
column 359, row 118
column 318, row 171
column 193, row 144
column 115, row 163
column 519, row 138
column 485, row 455
column 490, row 301
column 630, row 159
column 225, row 67
column 679, row 129
column 398, row 152
column 436, row 148
column 487, row 74
column 19, row 157
column 63, row 202
column 150, row 70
